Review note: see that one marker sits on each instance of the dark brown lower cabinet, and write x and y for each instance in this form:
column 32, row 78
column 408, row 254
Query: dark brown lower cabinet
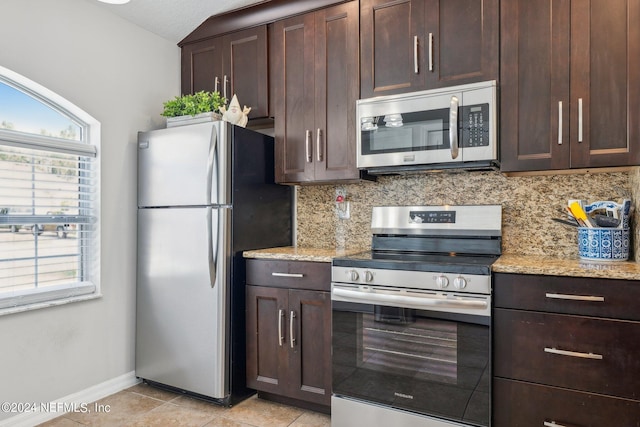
column 565, row 352
column 523, row 404
column 289, row 340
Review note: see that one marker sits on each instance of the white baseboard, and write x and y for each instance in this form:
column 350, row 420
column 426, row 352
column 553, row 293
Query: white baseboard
column 91, row 394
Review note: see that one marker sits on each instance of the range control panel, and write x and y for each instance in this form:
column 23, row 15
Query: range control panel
column 432, row 217
column 467, row 283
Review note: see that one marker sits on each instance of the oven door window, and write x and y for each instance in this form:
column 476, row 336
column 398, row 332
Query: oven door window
column 397, row 133
column 414, row 360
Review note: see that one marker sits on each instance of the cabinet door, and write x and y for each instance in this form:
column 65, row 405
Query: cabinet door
column 246, row 69
column 605, row 90
column 392, row 47
column 202, row 66
column 267, row 350
column 336, row 91
column 310, row 346
column 461, row 41
column 294, row 56
column 534, row 85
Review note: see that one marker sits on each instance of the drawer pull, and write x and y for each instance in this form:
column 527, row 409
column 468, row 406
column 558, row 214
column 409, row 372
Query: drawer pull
column 575, row 297
column 573, row 353
column 296, row 275
column 554, row 424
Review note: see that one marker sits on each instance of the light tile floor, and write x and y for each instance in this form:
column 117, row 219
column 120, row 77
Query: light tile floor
column 146, row 406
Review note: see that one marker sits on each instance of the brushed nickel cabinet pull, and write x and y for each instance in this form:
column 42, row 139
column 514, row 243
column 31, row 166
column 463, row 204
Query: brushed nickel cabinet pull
column 319, row 145
column 573, row 353
column 224, row 87
column 297, row 275
column 216, row 83
column 579, row 119
column 291, row 320
column 416, row 67
column 575, row 297
column 308, row 146
column 430, row 51
column 559, row 122
column 280, row 320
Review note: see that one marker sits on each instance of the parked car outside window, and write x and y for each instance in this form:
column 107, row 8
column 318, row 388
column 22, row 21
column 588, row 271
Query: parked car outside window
column 61, row 230
column 9, row 211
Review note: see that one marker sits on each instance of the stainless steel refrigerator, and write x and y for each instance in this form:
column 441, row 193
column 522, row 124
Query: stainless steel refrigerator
column 206, row 193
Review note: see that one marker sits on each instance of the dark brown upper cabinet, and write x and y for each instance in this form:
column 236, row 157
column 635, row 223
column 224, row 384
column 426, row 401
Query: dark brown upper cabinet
column 235, row 63
column 315, row 82
column 569, row 93
column 409, row 45
column 202, row 66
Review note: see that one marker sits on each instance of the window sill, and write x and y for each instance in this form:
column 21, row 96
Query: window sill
column 30, row 300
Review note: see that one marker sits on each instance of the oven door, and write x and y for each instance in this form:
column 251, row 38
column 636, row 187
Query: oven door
column 416, row 352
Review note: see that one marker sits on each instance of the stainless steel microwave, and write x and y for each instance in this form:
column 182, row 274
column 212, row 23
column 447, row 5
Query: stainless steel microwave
column 453, row 127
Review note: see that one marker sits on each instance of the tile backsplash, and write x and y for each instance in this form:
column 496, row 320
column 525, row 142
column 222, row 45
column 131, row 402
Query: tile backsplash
column 529, row 203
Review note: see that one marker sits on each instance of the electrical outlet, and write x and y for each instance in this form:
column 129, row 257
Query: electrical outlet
column 342, row 205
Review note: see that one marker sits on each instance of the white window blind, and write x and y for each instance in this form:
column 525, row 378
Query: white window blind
column 49, row 219
column 47, row 215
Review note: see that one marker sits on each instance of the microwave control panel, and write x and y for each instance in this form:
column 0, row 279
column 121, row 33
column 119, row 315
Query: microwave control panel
column 475, row 125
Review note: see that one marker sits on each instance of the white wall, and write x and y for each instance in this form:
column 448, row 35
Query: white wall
column 120, row 75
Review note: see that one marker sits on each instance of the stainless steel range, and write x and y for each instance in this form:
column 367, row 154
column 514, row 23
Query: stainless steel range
column 411, row 319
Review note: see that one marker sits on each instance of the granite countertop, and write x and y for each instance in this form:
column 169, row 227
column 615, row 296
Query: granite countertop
column 507, row 263
column 292, row 253
column 554, row 266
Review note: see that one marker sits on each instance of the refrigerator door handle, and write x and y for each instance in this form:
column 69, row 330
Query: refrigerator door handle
column 213, row 254
column 210, row 165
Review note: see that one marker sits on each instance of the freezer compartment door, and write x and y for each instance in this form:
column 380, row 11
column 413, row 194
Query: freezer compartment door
column 179, row 166
column 182, row 316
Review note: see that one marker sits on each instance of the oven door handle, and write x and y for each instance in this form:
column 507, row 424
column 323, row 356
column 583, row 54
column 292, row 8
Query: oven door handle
column 413, row 301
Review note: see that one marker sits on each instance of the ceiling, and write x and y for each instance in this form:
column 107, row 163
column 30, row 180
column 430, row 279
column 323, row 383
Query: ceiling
column 172, row 19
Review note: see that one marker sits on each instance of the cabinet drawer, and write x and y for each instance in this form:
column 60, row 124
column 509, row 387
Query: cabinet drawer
column 289, row 274
column 570, row 295
column 518, row 404
column 582, row 353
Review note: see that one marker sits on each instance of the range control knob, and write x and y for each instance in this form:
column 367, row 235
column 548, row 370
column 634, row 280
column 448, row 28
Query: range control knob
column 354, row 275
column 368, row 276
column 460, row 282
column 442, row 281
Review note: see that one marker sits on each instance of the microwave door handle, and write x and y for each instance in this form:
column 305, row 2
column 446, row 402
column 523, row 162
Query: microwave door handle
column 453, row 126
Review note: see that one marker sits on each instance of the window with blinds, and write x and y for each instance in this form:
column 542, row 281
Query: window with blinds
column 49, row 201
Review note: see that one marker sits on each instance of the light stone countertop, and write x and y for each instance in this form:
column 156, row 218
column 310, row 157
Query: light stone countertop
column 554, row 266
column 292, row 253
column 507, row 263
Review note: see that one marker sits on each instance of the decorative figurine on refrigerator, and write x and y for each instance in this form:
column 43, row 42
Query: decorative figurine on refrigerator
column 234, row 114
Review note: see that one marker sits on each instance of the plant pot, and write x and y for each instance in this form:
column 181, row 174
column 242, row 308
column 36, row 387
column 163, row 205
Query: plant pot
column 190, row 120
